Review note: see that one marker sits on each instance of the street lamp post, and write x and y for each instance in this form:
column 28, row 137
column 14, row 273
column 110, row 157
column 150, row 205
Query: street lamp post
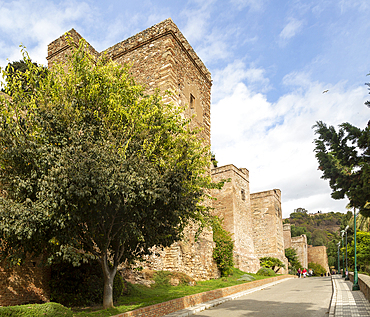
column 347, row 275
column 338, row 244
column 344, row 273
column 355, row 286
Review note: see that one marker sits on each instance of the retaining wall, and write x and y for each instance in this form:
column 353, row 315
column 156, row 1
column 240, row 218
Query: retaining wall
column 363, row 282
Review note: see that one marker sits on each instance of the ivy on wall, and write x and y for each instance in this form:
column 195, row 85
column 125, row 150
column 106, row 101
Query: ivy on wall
column 223, row 251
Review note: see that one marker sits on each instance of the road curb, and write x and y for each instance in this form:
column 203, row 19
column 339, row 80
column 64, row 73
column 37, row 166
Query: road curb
column 333, row 299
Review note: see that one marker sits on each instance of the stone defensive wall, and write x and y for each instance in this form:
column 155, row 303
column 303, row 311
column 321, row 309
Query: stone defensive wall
column 287, row 233
column 233, row 206
column 318, row 255
column 268, row 225
column 299, row 244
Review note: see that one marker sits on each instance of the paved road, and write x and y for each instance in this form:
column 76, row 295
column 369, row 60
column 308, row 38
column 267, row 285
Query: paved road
column 294, row 297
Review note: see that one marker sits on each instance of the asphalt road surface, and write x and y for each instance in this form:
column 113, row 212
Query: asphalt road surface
column 294, row 297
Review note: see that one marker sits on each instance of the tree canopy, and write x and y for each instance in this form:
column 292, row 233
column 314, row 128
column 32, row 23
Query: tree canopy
column 91, row 166
column 344, row 158
column 292, row 257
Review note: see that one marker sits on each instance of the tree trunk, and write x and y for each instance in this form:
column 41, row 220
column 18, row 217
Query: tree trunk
column 109, row 274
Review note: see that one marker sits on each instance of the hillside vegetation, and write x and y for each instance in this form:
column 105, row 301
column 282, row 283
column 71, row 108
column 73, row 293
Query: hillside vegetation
column 320, row 229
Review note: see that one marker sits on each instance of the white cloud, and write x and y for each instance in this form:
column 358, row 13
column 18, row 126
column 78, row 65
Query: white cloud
column 254, row 5
column 293, row 27
column 197, row 20
column 227, row 79
column 346, row 5
column 36, row 24
column 275, row 140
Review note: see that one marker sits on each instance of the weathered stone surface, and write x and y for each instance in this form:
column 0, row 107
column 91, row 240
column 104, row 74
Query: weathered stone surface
column 189, row 256
column 268, row 225
column 233, row 206
column 287, row 235
column 299, row 244
column 318, row 255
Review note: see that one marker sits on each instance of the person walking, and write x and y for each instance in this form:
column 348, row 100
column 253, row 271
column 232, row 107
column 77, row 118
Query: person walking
column 299, row 272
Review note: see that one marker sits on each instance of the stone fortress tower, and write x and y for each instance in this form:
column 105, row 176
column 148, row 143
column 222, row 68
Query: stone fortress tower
column 233, row 206
column 268, row 225
column 161, row 57
column 254, row 219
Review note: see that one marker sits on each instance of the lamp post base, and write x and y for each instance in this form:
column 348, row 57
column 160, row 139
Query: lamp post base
column 355, row 287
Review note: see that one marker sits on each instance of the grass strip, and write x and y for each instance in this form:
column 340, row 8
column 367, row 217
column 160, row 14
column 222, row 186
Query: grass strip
column 142, row 296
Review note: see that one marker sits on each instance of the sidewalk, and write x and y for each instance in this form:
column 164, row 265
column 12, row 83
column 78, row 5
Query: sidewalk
column 346, row 302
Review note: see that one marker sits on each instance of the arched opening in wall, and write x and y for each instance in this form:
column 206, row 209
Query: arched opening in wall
column 243, row 194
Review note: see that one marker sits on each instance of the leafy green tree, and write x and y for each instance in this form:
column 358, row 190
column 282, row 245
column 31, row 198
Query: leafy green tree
column 332, row 252
column 92, row 167
column 297, row 231
column 272, row 263
column 344, row 158
column 318, row 238
column 292, row 257
column 16, row 72
column 363, row 252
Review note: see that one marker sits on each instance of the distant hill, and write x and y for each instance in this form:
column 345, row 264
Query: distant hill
column 320, row 228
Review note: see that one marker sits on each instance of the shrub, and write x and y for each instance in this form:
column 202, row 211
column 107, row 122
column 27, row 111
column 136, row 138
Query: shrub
column 317, row 268
column 82, row 285
column 223, row 251
column 273, row 263
column 264, row 271
column 36, row 310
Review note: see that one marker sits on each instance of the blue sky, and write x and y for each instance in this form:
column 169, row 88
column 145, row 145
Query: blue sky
column 270, row 61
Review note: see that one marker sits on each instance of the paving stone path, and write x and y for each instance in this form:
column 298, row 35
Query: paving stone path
column 346, row 302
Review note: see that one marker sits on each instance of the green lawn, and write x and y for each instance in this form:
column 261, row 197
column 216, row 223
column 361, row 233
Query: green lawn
column 142, row 296
column 139, row 296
